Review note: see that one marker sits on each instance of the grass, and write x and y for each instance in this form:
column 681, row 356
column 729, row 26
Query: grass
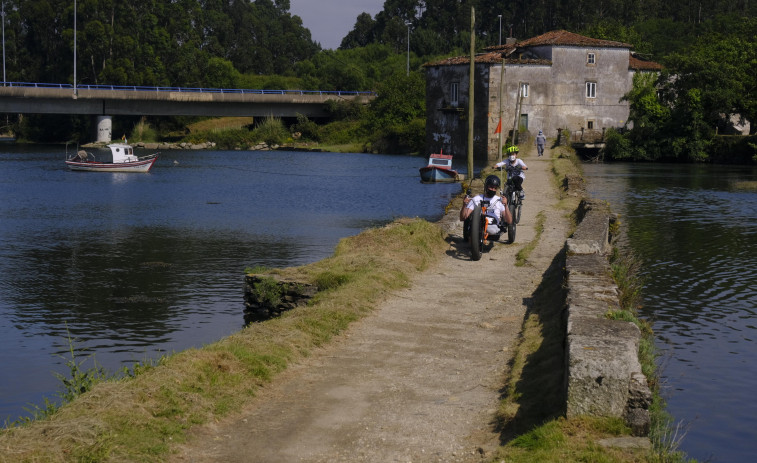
column 522, row 257
column 139, row 418
column 220, row 123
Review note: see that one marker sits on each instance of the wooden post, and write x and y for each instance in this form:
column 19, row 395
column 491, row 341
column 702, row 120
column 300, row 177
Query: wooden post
column 470, row 93
column 518, row 100
column 501, row 97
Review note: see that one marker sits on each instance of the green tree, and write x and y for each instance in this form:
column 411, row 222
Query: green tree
column 361, row 34
column 648, row 120
column 723, row 70
column 691, row 136
column 396, row 118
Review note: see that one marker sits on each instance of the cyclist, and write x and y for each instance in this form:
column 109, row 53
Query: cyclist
column 497, row 209
column 515, row 168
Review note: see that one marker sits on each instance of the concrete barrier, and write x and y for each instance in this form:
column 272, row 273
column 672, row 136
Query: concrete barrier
column 603, row 373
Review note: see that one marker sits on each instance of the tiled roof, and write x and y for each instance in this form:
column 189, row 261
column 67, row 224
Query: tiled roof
column 566, row 38
column 486, row 58
column 494, row 54
column 636, row 63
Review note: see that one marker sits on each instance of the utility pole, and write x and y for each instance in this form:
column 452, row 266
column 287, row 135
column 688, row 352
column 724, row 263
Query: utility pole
column 407, row 23
column 500, row 28
column 501, row 97
column 470, row 92
column 3, row 15
column 76, row 92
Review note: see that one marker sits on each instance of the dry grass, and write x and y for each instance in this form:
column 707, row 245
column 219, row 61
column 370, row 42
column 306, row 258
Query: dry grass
column 220, row 123
column 139, row 419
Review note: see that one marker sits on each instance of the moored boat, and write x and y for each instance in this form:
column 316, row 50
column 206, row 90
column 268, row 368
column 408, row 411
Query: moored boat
column 123, row 160
column 439, row 169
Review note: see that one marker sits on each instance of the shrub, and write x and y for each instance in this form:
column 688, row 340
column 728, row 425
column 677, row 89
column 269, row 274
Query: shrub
column 271, row 131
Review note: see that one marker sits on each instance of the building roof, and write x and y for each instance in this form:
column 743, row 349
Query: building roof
column 492, row 57
column 565, row 38
column 495, row 54
column 637, row 63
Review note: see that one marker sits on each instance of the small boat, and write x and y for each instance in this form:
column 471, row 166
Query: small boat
column 124, row 160
column 439, row 169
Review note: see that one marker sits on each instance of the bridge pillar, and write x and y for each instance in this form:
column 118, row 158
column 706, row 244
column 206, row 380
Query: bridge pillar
column 104, row 129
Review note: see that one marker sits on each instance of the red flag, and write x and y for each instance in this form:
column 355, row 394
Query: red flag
column 499, row 127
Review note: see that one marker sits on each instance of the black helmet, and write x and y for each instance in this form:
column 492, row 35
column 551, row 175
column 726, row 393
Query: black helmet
column 491, row 182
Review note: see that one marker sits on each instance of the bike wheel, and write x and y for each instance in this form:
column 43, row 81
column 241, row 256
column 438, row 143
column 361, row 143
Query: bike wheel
column 466, row 229
column 511, row 227
column 477, row 233
column 518, row 206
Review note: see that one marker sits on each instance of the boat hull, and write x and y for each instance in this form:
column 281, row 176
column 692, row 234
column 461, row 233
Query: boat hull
column 432, row 174
column 143, row 165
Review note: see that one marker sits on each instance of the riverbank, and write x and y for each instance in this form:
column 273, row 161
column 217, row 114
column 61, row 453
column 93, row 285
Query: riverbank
column 422, row 366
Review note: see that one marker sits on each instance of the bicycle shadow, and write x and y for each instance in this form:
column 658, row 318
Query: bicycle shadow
column 460, row 249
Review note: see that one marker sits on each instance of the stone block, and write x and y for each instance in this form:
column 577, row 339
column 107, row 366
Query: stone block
column 602, row 356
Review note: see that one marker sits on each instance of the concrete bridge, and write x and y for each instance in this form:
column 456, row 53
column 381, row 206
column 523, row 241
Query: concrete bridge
column 106, row 101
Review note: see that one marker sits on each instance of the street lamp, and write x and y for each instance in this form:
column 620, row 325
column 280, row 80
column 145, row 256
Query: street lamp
column 500, row 28
column 407, row 23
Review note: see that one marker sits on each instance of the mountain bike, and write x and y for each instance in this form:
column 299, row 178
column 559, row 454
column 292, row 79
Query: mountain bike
column 514, row 201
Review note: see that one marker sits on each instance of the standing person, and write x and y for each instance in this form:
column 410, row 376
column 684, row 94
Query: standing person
column 515, row 168
column 541, row 142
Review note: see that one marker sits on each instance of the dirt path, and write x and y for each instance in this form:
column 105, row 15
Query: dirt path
column 416, row 381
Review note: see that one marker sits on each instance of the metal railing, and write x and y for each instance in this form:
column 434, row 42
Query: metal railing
column 142, row 88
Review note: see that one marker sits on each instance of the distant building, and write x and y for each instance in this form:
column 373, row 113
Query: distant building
column 566, row 81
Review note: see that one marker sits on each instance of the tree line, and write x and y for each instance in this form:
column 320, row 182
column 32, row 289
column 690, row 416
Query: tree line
column 708, row 46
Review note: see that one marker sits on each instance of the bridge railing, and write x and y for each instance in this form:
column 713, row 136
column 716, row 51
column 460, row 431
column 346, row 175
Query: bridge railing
column 141, row 88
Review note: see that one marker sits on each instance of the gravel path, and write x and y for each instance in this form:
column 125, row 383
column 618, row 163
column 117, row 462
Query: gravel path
column 416, row 381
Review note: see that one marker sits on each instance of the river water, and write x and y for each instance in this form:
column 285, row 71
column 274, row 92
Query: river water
column 695, row 229
column 135, row 266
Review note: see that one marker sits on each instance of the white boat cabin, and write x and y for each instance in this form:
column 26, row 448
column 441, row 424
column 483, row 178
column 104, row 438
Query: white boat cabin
column 440, row 160
column 122, row 153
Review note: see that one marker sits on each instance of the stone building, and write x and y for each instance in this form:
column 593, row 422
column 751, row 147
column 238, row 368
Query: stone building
column 567, row 82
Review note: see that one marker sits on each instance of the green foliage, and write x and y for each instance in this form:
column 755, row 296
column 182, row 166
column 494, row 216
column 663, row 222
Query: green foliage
column 618, row 146
column 143, row 132
column 268, row 291
column 396, row 117
column 271, row 131
column 307, row 128
column 694, row 136
column 330, row 279
column 345, row 109
column 544, row 437
column 400, row 99
column 343, row 132
column 226, row 139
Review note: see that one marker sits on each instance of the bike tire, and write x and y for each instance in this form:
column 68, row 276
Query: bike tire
column 476, row 233
column 517, row 215
column 518, row 206
column 512, row 227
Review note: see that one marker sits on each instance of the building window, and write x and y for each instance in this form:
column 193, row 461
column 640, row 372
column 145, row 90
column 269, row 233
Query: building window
column 590, row 124
column 453, row 96
column 591, row 89
column 590, row 59
column 524, row 90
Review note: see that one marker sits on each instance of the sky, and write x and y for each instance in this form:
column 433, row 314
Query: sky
column 330, row 20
